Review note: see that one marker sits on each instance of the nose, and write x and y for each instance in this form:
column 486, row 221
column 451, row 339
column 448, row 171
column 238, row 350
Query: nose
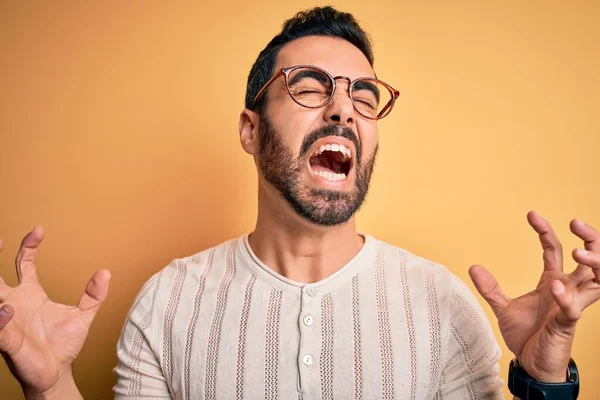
column 340, row 110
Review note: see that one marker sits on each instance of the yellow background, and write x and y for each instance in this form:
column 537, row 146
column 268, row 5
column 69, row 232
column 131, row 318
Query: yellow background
column 118, row 134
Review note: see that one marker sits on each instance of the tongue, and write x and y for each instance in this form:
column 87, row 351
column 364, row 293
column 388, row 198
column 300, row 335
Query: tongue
column 318, row 167
column 325, row 164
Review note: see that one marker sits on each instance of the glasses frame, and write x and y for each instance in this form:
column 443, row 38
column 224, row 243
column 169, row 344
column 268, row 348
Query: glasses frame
column 385, row 111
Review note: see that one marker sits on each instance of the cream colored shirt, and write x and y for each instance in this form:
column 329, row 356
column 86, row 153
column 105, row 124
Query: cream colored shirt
column 388, row 325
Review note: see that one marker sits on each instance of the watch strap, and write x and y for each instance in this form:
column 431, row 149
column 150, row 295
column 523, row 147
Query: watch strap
column 525, row 387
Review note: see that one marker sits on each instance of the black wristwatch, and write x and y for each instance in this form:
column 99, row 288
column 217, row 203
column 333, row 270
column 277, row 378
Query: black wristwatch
column 525, row 387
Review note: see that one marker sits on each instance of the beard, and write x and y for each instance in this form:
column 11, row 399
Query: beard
column 325, row 207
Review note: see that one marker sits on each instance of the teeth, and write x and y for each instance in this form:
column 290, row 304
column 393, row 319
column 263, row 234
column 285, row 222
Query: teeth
column 331, row 176
column 335, row 147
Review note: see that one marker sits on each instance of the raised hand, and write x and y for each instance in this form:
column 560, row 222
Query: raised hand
column 39, row 339
column 539, row 326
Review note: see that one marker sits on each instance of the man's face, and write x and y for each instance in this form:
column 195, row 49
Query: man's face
column 320, row 160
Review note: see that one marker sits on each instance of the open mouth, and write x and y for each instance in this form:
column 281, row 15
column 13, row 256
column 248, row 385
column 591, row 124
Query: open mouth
column 332, row 162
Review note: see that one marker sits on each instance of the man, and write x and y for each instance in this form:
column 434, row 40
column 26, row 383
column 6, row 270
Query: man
column 304, row 306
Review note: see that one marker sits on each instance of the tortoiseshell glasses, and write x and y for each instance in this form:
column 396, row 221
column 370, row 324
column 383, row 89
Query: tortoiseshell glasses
column 313, row 87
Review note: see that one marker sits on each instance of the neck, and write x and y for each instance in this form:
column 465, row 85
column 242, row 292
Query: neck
column 298, row 249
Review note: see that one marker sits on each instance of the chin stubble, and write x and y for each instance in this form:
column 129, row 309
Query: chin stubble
column 281, row 169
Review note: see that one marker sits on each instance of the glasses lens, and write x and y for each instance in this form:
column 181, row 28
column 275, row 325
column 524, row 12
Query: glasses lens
column 310, row 87
column 371, row 97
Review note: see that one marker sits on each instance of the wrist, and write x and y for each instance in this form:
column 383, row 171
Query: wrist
column 556, row 376
column 525, row 386
column 550, row 378
column 64, row 389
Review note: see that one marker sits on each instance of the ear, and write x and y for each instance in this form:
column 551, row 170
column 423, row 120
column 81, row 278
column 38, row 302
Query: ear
column 248, row 128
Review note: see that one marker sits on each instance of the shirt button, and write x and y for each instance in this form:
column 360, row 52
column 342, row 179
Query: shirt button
column 308, row 320
column 311, row 291
column 307, row 359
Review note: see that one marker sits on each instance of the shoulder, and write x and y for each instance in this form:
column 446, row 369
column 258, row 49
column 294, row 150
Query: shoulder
column 434, row 290
column 415, row 269
column 180, row 276
column 428, row 280
column 183, row 273
column 167, row 293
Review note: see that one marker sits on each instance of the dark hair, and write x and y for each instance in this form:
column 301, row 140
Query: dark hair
column 323, row 21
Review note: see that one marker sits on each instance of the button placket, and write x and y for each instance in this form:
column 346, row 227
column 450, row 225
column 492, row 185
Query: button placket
column 308, row 320
column 307, row 359
column 309, row 310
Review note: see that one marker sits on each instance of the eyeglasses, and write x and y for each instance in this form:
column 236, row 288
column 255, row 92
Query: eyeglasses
column 313, row 87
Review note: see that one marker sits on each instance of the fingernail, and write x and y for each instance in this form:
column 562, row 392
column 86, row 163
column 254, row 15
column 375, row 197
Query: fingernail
column 582, row 252
column 3, row 312
column 579, row 222
column 557, row 287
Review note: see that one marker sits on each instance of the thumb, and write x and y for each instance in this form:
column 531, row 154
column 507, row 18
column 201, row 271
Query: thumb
column 94, row 295
column 570, row 310
column 488, row 288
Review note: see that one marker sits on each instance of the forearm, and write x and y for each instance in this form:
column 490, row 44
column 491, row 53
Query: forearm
column 65, row 389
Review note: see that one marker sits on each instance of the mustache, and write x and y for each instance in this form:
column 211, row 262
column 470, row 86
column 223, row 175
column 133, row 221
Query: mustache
column 330, row 130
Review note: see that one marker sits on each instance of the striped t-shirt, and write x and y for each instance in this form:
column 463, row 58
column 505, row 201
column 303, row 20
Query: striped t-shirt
column 388, row 325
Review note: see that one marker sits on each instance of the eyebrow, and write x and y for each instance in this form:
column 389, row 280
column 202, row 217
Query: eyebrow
column 368, row 85
column 308, row 73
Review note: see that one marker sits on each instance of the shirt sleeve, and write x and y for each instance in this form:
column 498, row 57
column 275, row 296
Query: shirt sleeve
column 139, row 373
column 472, row 362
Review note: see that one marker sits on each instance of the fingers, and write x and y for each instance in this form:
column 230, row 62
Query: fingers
column 582, row 274
column 6, row 313
column 25, row 261
column 590, row 254
column 570, row 307
column 553, row 256
column 488, row 288
column 589, row 293
column 95, row 293
column 590, row 236
column 589, row 259
column 4, row 290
